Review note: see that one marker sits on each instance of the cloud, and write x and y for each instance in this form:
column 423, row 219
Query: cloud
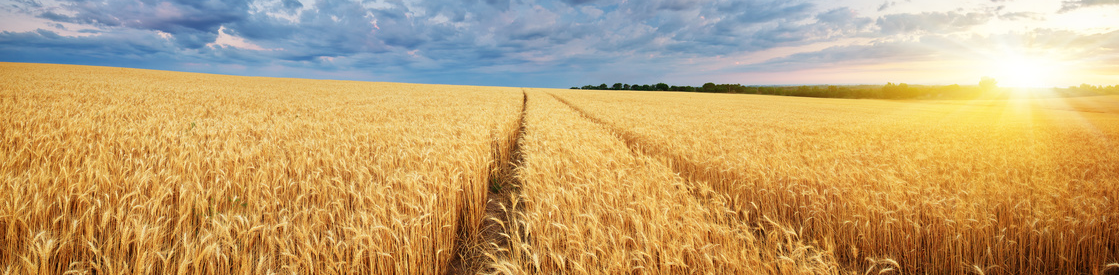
column 554, row 43
column 292, row 4
column 193, row 23
column 1070, row 5
column 227, row 40
column 455, row 37
column 893, row 51
column 942, row 47
column 1021, row 16
column 887, row 5
column 22, row 6
column 931, row 22
column 577, row 2
column 47, row 46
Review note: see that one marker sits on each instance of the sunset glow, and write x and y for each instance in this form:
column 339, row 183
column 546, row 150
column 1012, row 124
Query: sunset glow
column 1028, row 72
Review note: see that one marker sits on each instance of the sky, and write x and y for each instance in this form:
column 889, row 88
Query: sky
column 564, row 43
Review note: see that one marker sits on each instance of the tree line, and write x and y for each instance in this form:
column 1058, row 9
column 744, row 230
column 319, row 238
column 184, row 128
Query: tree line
column 987, row 88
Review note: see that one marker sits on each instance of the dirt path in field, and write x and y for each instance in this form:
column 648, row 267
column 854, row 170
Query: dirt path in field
column 683, row 168
column 503, row 187
column 626, row 138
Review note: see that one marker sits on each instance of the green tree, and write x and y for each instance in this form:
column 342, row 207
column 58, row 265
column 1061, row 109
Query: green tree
column 803, row 91
column 708, row 87
column 660, row 87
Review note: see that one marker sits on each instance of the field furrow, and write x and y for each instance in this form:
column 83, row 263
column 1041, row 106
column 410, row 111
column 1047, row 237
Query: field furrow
column 124, row 171
column 478, row 246
column 896, row 186
column 588, row 204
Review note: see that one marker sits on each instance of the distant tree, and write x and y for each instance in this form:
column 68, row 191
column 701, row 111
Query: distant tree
column 682, row 88
column 708, row 87
column 905, row 92
column 736, row 88
column 803, row 91
column 988, row 83
column 892, row 90
column 574, row 88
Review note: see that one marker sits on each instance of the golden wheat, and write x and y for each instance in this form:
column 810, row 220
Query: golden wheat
column 1012, row 188
column 588, row 204
column 121, row 171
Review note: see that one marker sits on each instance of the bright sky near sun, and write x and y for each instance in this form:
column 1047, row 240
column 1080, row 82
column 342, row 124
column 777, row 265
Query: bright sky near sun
column 563, row 43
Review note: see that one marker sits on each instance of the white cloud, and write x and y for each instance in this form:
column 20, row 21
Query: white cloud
column 227, row 40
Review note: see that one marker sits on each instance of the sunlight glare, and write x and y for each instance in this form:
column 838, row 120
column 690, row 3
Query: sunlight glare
column 1026, row 72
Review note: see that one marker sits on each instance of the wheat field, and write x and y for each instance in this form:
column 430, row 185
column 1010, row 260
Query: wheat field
column 904, row 187
column 120, row 171
column 125, row 171
column 587, row 204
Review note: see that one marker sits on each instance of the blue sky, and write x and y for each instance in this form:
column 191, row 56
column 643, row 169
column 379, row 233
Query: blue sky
column 576, row 42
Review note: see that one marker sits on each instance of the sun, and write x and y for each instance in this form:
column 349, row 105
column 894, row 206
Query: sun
column 1026, row 72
